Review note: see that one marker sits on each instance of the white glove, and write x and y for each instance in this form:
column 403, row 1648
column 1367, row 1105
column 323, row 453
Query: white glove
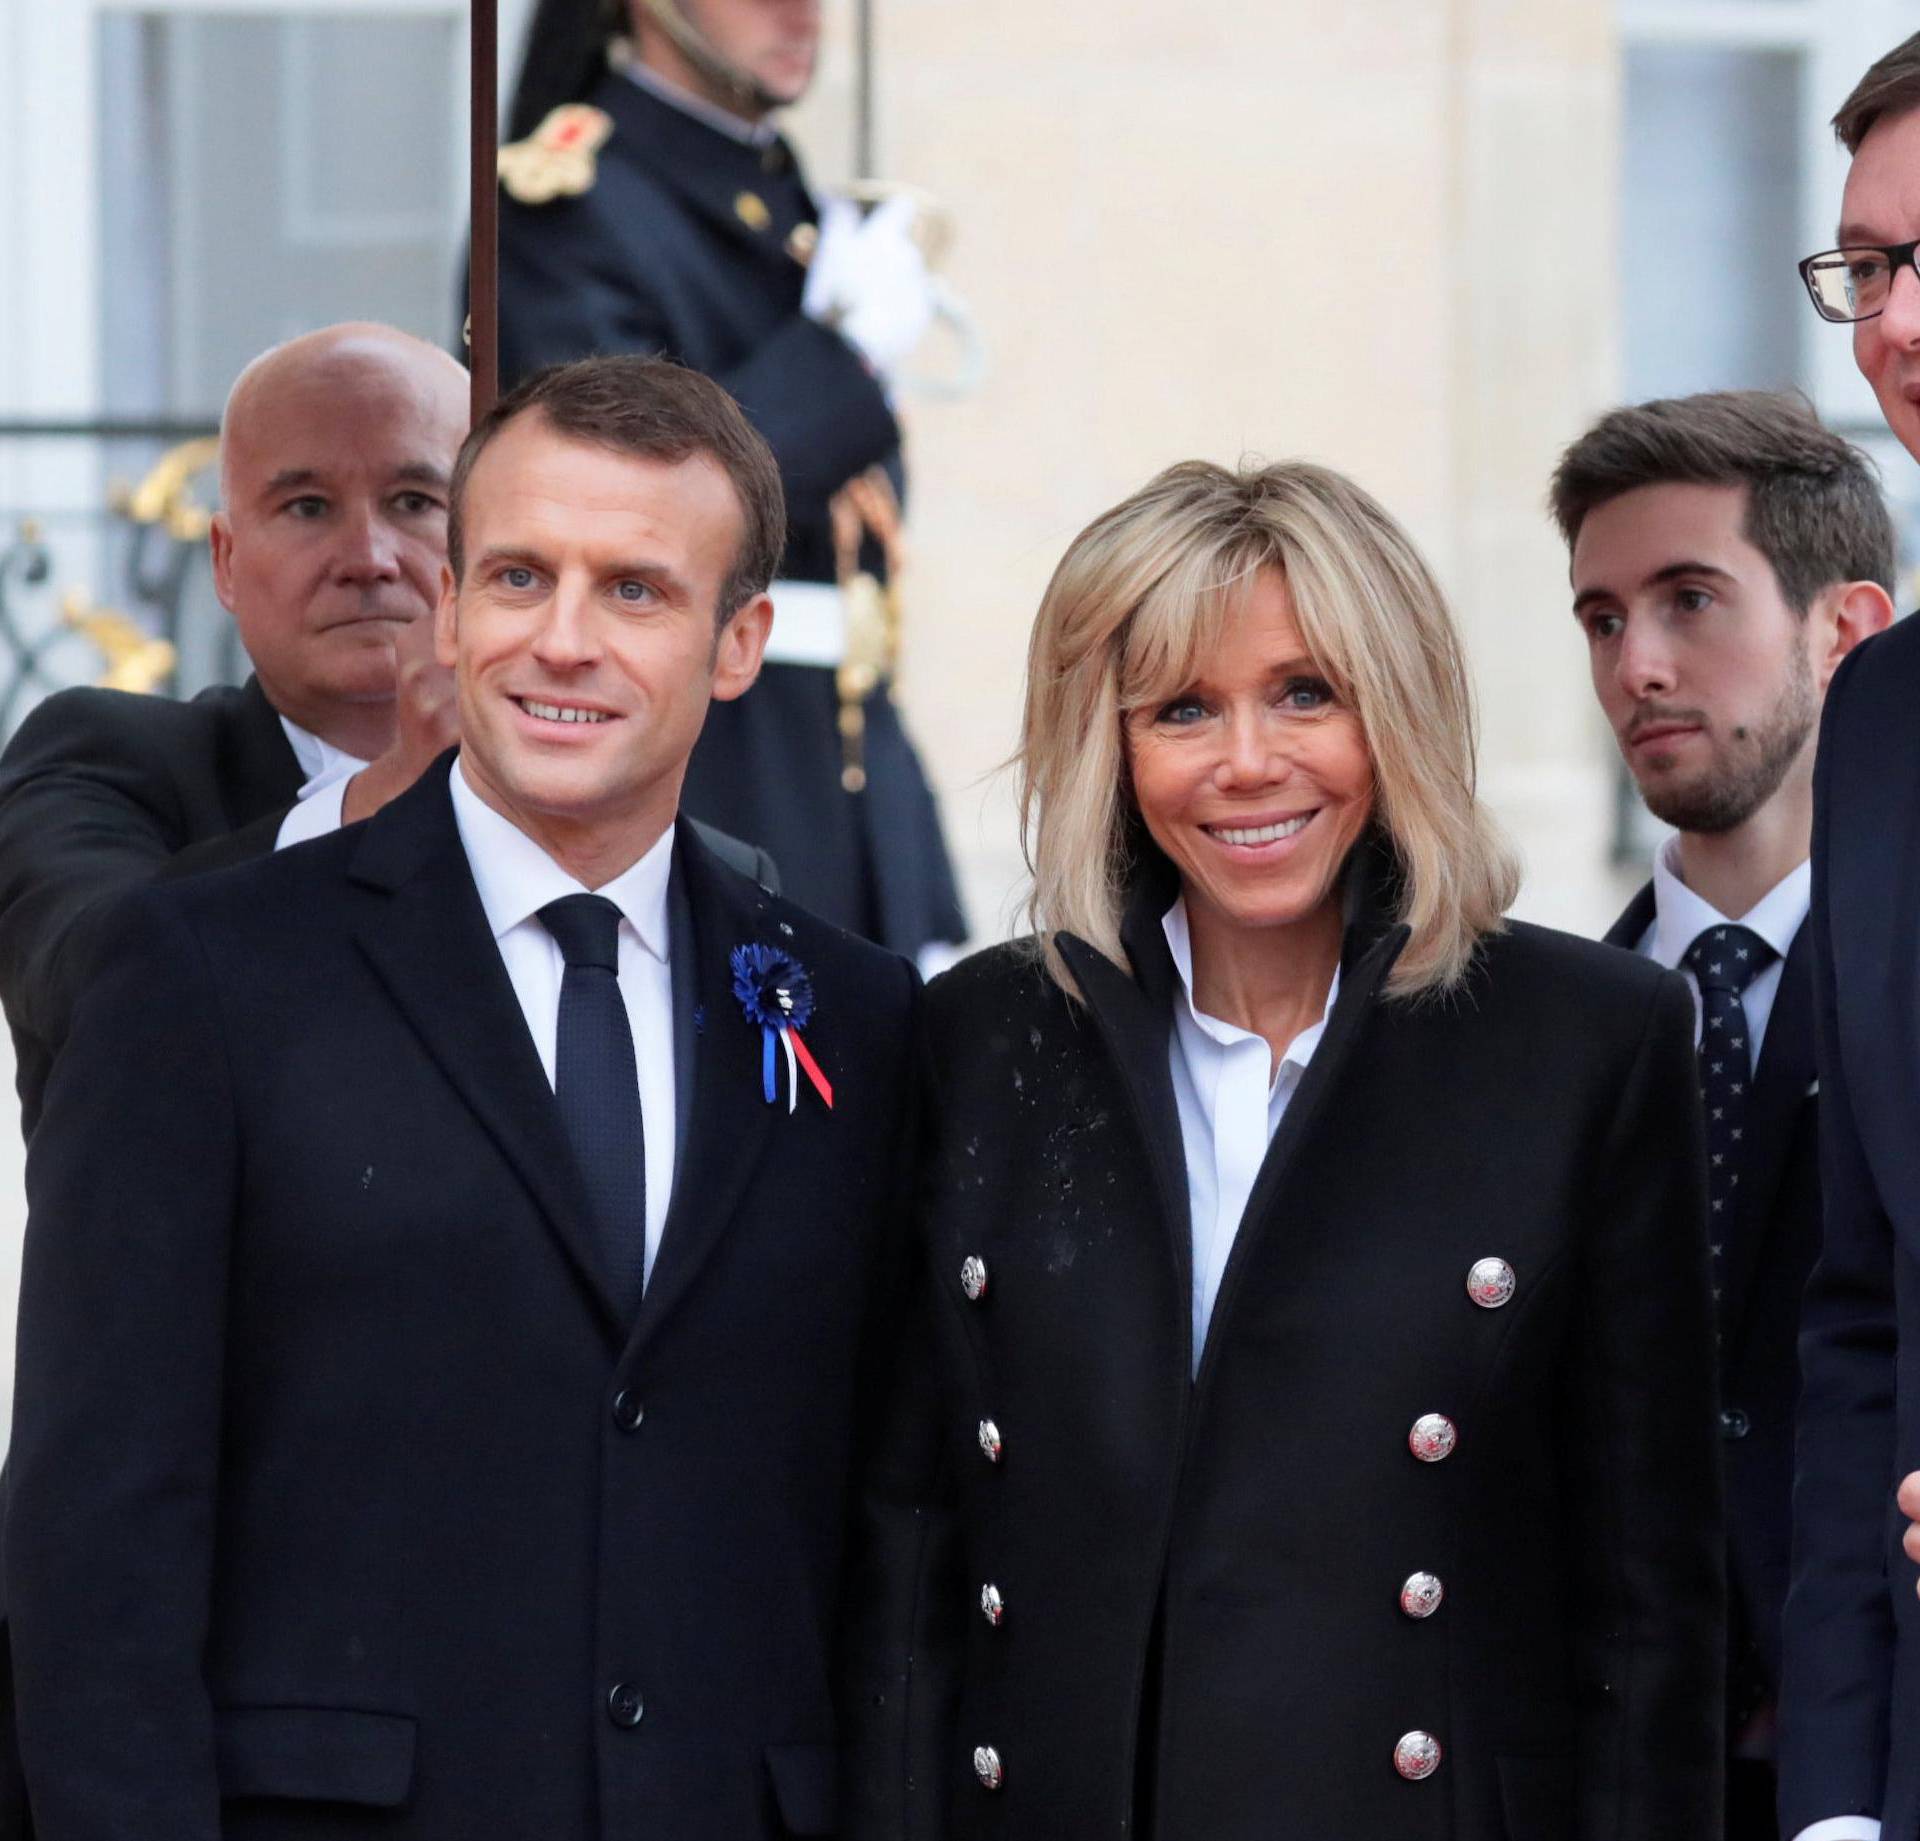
column 869, row 281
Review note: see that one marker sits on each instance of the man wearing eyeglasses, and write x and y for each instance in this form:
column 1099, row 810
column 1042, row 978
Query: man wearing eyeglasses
column 1850, row 1700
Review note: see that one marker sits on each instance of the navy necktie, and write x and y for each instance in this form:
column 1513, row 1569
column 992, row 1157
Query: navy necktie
column 1725, row 960
column 597, row 1083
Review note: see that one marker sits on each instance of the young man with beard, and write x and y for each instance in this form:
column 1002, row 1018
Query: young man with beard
column 1728, row 552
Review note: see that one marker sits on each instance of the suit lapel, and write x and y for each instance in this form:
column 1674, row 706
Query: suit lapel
column 1777, row 1105
column 1631, row 928
column 724, row 1129
column 430, row 946
column 263, row 770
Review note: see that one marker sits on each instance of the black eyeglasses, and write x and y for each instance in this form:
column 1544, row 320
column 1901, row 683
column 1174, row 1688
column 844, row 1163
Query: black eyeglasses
column 1855, row 284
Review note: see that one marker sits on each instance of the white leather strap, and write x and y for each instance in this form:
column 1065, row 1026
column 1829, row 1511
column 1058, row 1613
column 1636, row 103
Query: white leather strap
column 809, row 624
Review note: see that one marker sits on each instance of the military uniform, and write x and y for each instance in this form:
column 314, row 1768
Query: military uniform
column 668, row 234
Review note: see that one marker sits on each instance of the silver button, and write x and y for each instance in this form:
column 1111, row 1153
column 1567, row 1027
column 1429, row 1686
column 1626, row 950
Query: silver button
column 1490, row 1283
column 990, row 1440
column 1421, row 1595
column 987, row 1766
column 973, row 1277
column 993, row 1607
column 1433, row 1437
column 1417, row 1756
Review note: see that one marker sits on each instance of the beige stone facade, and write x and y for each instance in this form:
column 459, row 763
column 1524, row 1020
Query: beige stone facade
column 1377, row 234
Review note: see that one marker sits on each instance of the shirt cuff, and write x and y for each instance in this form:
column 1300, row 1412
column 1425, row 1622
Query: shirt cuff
column 1842, row 1828
column 315, row 815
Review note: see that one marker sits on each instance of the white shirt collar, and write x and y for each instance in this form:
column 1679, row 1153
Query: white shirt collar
column 1680, row 916
column 755, row 134
column 516, row 878
column 1180, row 943
column 320, row 761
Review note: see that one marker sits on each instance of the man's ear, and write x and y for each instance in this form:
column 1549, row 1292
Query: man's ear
column 1845, row 614
column 446, row 621
column 220, row 548
column 740, row 648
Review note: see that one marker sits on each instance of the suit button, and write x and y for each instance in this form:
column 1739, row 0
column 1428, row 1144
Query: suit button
column 1734, row 1422
column 993, row 1607
column 1417, row 1756
column 1433, row 1437
column 624, row 1705
column 987, row 1766
column 1421, row 1595
column 990, row 1440
column 1490, row 1283
column 973, row 1277
column 628, row 1410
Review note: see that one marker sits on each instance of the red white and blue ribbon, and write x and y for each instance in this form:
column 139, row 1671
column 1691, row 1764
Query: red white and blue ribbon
column 776, row 992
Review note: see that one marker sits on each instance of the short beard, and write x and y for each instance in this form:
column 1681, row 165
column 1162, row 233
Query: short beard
column 1729, row 795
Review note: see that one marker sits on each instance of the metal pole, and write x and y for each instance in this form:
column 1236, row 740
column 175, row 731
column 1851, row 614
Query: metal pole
column 866, row 161
column 483, row 253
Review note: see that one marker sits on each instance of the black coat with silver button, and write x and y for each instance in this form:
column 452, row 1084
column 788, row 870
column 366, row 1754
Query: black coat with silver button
column 1207, row 1623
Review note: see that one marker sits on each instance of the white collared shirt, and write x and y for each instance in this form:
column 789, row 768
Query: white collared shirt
column 1231, row 1100
column 516, row 879
column 1680, row 917
column 327, row 770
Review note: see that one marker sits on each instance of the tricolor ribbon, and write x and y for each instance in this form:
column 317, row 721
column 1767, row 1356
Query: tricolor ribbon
column 776, row 992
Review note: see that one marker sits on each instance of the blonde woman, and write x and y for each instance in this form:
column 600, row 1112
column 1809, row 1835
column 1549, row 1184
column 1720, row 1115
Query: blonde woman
column 1314, row 1431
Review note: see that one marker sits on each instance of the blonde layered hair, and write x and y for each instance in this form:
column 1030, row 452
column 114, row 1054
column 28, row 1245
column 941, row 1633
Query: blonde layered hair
column 1138, row 603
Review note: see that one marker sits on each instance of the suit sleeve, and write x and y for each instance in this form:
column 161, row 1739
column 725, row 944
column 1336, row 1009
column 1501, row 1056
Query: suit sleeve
column 1649, row 1605
column 131, row 1185
column 87, row 813
column 1839, row 1629
column 903, row 1645
column 567, row 292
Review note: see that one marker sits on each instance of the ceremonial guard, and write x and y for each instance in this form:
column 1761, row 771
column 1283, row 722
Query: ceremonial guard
column 650, row 205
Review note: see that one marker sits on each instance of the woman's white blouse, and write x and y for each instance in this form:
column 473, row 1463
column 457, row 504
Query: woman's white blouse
column 1231, row 1101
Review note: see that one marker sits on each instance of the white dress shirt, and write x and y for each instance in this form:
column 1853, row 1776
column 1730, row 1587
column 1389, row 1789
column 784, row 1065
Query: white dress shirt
column 1680, row 917
column 327, row 770
column 1231, row 1100
column 516, row 879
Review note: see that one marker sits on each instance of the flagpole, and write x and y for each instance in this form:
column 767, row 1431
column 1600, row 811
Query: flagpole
column 866, row 163
column 483, row 253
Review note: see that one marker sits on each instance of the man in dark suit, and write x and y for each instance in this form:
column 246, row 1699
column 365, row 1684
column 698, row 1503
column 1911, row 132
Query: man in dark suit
column 1850, row 1707
column 651, row 205
column 336, row 450
column 1727, row 553
column 453, row 1244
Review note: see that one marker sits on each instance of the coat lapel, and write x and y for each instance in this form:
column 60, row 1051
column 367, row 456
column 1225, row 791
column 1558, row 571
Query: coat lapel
column 1782, row 1093
column 1373, row 942
column 1134, row 1017
column 430, row 945
column 725, row 1122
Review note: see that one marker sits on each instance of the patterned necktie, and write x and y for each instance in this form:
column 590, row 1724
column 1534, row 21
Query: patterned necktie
column 597, row 1085
column 1725, row 960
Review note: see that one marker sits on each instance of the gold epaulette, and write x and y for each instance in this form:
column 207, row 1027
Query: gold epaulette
column 557, row 159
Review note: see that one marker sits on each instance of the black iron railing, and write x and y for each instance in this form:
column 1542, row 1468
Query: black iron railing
column 112, row 585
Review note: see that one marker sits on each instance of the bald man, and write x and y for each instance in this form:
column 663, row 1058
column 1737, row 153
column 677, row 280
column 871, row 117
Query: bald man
column 336, row 451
